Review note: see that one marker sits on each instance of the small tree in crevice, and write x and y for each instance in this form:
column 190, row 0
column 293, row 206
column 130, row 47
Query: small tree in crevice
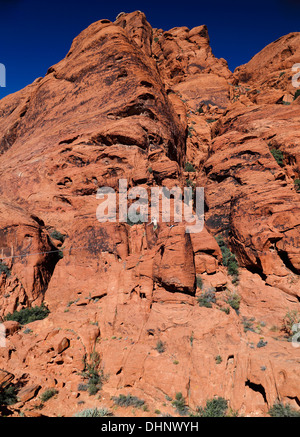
column 93, row 374
column 278, row 156
column 229, row 259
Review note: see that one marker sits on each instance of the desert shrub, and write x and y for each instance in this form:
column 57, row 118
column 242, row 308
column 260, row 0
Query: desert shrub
column 160, row 346
column 261, row 343
column 4, row 269
column 56, row 235
column 248, row 324
column 226, row 310
column 92, row 389
column 190, row 183
column 214, row 408
column 297, row 94
column 94, row 412
column 291, row 318
column 233, row 299
column 189, row 167
column 229, row 259
column 128, row 401
column 232, row 267
column 180, row 405
column 207, row 298
column 91, row 372
column 297, row 185
column 199, row 282
column 8, row 395
column 226, row 253
column 28, row 315
column 281, row 410
column 48, row 394
column 278, row 156
column 218, row 359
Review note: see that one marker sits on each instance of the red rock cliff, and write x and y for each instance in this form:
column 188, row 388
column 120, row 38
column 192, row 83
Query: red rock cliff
column 136, row 103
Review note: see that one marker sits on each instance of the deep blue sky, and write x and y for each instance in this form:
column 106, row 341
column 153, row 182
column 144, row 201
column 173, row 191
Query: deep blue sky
column 35, row 35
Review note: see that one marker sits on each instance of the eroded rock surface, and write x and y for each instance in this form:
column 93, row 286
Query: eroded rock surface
column 155, row 108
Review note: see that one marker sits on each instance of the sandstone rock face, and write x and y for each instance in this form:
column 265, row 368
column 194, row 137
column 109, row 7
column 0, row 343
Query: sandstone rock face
column 154, row 310
column 28, row 392
column 267, row 76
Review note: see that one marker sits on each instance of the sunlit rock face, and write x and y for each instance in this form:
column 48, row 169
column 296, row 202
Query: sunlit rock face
column 158, row 310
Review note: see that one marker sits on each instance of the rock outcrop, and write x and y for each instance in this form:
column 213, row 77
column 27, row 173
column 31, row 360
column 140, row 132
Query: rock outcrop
column 153, row 310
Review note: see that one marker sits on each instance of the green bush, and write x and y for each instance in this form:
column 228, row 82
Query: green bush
column 233, row 299
column 218, row 359
column 190, row 183
column 48, row 394
column 292, row 317
column 261, row 343
column 189, row 167
column 278, row 156
column 207, row 298
column 229, row 259
column 297, row 94
column 56, row 235
column 4, row 269
column 92, row 373
column 297, row 185
column 93, row 412
column 281, row 410
column 199, row 282
column 160, row 346
column 8, row 395
column 248, row 324
column 28, row 315
column 180, row 405
column 226, row 310
column 128, row 401
column 232, row 267
column 214, row 408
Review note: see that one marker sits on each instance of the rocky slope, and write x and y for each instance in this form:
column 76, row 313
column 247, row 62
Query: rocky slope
column 136, row 103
